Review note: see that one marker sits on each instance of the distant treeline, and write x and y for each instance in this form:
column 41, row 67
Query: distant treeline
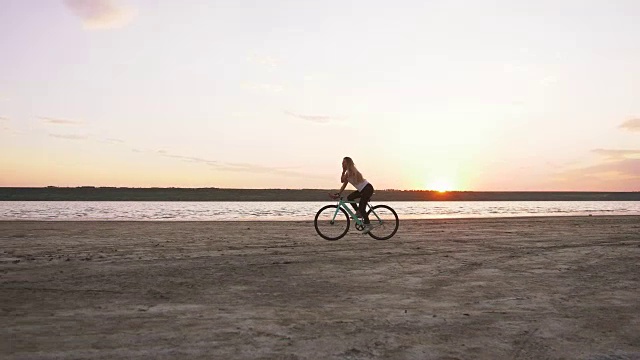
column 90, row 193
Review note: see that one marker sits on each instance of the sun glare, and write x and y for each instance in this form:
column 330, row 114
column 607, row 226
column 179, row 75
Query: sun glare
column 440, row 186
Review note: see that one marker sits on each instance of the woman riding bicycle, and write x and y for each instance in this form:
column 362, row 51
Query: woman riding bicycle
column 364, row 190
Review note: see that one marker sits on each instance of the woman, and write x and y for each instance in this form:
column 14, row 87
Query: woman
column 364, row 190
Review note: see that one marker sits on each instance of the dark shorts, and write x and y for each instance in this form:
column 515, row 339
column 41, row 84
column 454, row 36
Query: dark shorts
column 365, row 196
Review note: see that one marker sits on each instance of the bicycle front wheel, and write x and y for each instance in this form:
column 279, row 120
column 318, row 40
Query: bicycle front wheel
column 332, row 222
column 384, row 222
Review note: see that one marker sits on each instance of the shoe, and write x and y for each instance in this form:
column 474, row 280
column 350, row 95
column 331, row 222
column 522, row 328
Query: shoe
column 367, row 228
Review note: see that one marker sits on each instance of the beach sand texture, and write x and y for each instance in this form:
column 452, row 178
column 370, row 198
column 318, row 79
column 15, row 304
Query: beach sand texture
column 518, row 288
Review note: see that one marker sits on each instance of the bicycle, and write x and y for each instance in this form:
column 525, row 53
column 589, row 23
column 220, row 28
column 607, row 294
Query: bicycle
column 332, row 222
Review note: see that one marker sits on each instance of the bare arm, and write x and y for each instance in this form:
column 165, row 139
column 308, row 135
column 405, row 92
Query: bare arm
column 343, row 177
column 345, row 181
column 344, row 185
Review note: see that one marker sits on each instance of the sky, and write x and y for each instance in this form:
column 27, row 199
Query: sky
column 485, row 95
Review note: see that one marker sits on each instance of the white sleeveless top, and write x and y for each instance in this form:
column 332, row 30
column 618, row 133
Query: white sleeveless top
column 359, row 186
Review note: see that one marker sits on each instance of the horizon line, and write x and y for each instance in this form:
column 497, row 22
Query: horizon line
column 313, row 189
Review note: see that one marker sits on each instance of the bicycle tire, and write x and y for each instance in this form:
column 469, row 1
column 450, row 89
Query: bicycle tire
column 394, row 222
column 340, row 234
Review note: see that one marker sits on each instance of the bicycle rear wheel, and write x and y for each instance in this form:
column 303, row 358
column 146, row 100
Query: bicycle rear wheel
column 384, row 222
column 331, row 225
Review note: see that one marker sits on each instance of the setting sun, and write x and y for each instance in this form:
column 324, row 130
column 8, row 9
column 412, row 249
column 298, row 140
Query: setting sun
column 440, row 186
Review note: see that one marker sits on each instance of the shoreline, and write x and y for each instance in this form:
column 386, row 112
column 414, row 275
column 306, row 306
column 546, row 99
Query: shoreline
column 525, row 217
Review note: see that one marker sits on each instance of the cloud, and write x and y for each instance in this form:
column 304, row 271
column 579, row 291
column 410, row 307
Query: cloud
column 236, row 167
column 631, row 125
column 629, row 168
column 3, row 122
column 272, row 88
column 619, row 170
column 264, row 60
column 548, row 80
column 54, row 121
column 69, row 136
column 320, row 119
column 113, row 141
column 617, row 154
column 101, row 14
column 254, row 168
column 188, row 158
column 217, row 165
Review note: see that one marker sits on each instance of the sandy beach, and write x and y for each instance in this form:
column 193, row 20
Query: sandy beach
column 516, row 288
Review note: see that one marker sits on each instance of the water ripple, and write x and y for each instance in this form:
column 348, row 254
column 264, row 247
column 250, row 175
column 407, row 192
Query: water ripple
column 193, row 211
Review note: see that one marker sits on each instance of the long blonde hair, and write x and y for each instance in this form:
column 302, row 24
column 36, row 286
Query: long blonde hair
column 352, row 171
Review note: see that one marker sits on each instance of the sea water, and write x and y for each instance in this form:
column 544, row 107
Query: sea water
column 284, row 211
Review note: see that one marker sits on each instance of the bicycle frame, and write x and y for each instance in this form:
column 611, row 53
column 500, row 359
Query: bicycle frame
column 342, row 204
